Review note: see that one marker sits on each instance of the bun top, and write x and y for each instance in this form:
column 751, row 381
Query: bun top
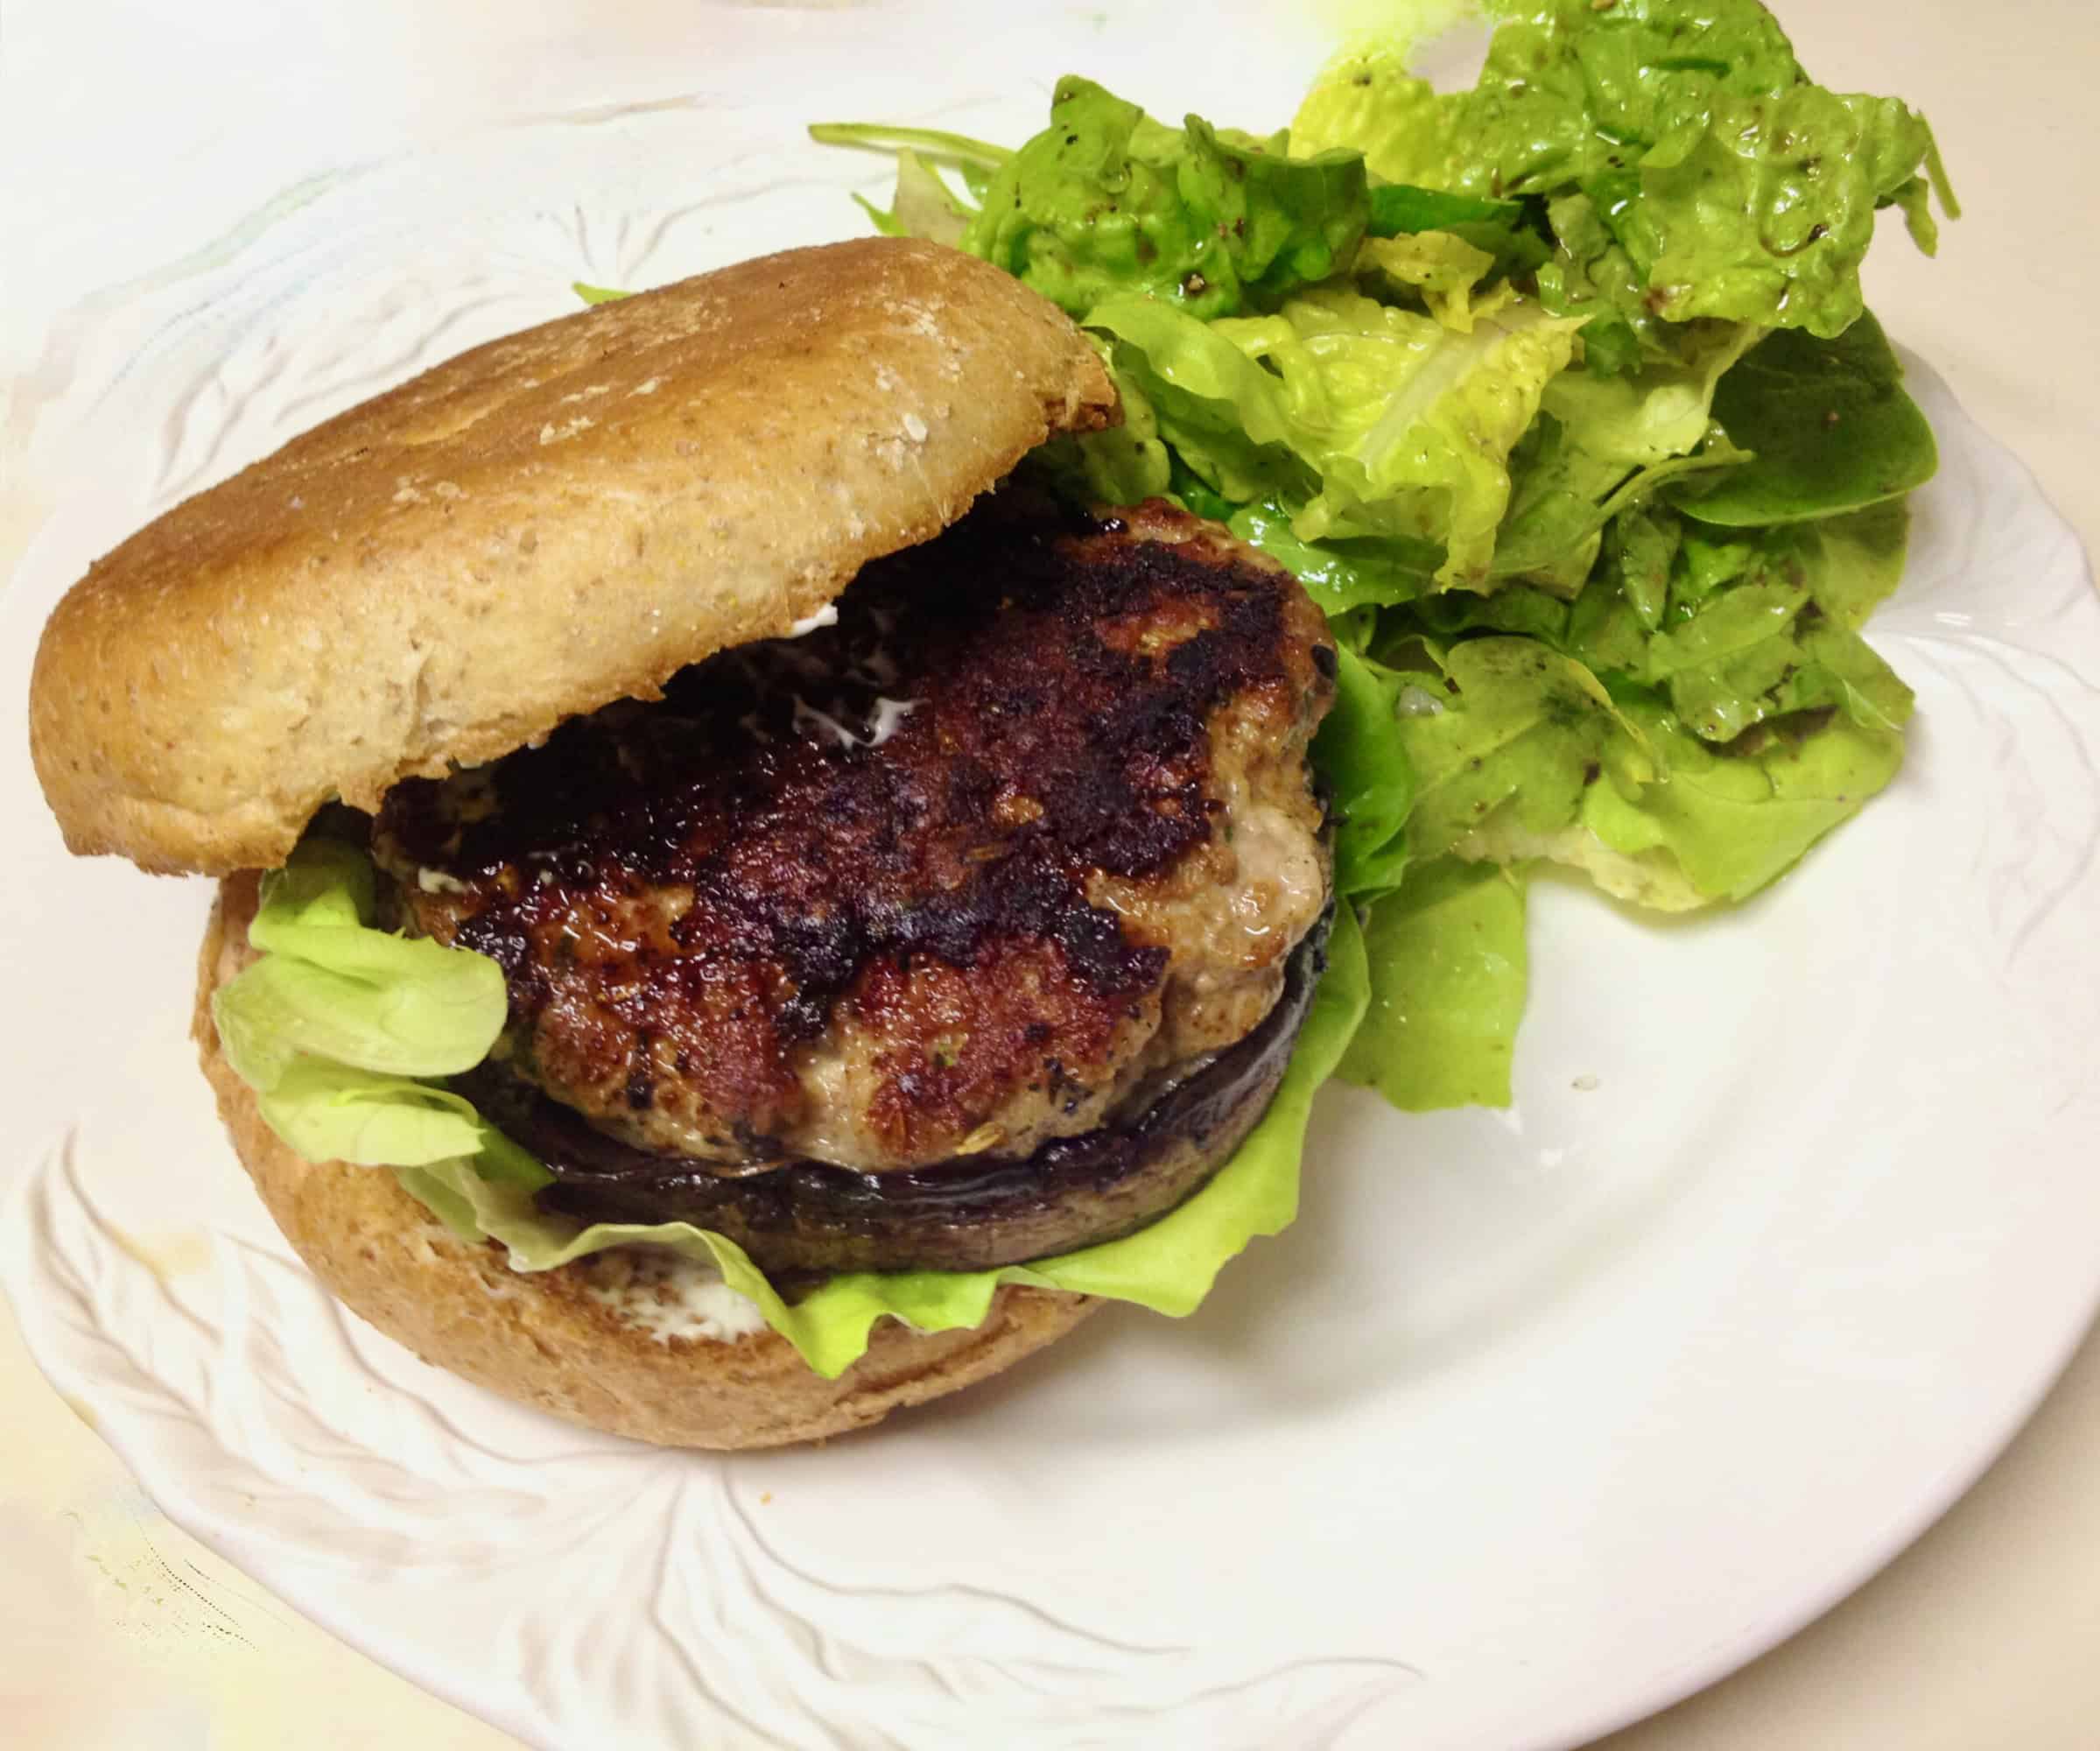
column 531, row 531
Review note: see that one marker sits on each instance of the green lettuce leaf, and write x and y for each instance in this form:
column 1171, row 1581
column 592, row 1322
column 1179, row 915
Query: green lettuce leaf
column 317, row 914
column 1732, row 632
column 1124, row 464
column 1662, row 410
column 1448, row 971
column 1854, row 561
column 1371, row 421
column 1828, row 426
column 923, row 205
column 1339, row 575
column 1226, row 419
column 1105, row 202
column 328, row 1111
column 1363, row 756
column 1440, row 267
column 329, row 987
column 1519, row 733
column 1766, row 625
column 1564, row 496
column 1733, row 820
column 1733, row 187
column 1530, row 754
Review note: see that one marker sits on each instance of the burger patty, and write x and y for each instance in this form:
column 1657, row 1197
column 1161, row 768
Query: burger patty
column 807, row 1219
column 1023, row 837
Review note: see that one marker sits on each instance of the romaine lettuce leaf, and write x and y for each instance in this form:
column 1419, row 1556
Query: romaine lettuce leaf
column 317, row 914
column 1370, row 420
column 1425, row 428
column 1440, row 267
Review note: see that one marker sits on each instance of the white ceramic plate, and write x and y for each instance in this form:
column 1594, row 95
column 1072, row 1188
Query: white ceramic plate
column 1535, row 1421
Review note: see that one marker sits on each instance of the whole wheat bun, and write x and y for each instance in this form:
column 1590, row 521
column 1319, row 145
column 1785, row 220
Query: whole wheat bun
column 539, row 1337
column 539, row 527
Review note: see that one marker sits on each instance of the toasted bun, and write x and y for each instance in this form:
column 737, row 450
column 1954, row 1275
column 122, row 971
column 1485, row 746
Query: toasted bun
column 541, row 1338
column 537, row 528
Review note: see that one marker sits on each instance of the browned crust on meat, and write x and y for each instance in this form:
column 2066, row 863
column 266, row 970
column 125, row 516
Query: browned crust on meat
column 539, row 1337
column 730, row 935
column 542, row 525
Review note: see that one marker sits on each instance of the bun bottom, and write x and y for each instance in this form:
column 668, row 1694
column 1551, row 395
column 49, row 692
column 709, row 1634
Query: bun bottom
column 542, row 1338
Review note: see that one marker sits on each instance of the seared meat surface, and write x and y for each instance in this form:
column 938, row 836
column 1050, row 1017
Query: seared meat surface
column 1024, row 834
column 971, row 1214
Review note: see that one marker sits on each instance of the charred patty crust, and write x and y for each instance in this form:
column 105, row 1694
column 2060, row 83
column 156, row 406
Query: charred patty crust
column 1024, row 838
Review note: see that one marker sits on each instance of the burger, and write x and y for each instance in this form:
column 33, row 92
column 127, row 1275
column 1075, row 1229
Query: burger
column 727, row 887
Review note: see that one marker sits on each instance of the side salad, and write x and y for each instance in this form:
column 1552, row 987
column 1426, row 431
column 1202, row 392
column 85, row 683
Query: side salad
column 1559, row 395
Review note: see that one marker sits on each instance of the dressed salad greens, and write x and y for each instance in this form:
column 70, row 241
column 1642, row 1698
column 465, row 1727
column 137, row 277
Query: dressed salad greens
column 1559, row 395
